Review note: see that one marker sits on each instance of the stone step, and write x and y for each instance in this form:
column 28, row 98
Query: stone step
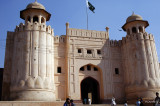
column 41, row 103
column 104, row 105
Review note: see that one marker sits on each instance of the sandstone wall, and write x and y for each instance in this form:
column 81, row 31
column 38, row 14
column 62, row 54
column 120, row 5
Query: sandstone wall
column 32, row 62
column 140, row 62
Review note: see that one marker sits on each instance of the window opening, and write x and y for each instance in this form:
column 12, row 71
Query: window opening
column 82, row 69
column 42, row 20
column 116, row 71
column 58, row 69
column 134, row 30
column 88, row 67
column 140, row 29
column 35, row 19
column 89, row 52
column 79, row 51
column 95, row 69
column 29, row 19
column 98, row 51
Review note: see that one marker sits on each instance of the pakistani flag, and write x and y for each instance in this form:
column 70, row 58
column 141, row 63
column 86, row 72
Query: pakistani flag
column 90, row 6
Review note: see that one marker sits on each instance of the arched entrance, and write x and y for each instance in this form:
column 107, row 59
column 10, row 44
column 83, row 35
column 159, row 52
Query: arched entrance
column 90, row 89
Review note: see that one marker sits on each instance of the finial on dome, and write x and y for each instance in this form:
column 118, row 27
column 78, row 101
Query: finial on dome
column 35, row 0
column 133, row 13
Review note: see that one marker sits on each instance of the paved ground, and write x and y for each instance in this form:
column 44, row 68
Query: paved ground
column 40, row 103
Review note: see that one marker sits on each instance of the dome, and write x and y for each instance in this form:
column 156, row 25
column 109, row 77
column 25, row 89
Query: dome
column 133, row 17
column 35, row 5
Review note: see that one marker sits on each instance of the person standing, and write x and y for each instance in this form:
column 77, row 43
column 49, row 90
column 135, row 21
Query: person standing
column 125, row 103
column 113, row 102
column 157, row 99
column 138, row 102
column 72, row 104
column 85, row 101
column 89, row 101
column 141, row 100
column 67, row 102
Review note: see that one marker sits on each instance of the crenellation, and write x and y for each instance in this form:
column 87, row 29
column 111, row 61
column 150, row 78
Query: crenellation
column 140, row 36
column 88, row 33
column 48, row 29
column 56, row 39
column 146, row 36
column 115, row 43
column 21, row 27
column 123, row 40
column 151, row 37
column 17, row 29
column 136, row 37
column 120, row 42
column 127, row 38
column 43, row 27
column 52, row 32
column 36, row 26
column 60, row 39
column 28, row 26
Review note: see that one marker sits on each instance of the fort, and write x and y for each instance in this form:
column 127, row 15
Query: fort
column 81, row 64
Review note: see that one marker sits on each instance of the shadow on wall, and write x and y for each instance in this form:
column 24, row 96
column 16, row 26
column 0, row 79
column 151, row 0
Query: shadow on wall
column 1, row 80
column 112, row 71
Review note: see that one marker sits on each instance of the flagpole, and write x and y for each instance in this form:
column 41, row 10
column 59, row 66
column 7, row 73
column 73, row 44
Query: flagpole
column 87, row 12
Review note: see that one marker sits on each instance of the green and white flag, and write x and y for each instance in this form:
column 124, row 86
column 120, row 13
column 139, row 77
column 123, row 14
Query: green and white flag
column 90, row 6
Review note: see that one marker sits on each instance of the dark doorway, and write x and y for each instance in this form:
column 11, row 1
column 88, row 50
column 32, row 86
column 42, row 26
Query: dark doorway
column 90, row 87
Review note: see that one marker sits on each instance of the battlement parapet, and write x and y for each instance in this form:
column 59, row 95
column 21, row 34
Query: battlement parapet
column 115, row 43
column 137, row 37
column 88, row 33
column 60, row 39
column 34, row 26
column 148, row 36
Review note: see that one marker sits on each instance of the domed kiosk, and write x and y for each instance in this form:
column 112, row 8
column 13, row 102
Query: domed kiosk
column 131, row 24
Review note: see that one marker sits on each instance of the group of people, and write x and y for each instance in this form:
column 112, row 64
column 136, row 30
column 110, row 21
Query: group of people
column 157, row 100
column 87, row 102
column 139, row 102
column 69, row 102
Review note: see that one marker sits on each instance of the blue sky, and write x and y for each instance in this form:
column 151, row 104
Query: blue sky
column 110, row 13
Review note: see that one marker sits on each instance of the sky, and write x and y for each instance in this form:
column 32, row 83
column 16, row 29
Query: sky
column 108, row 13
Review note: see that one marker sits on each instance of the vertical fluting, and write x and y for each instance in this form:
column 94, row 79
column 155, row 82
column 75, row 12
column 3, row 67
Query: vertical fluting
column 42, row 54
column 35, row 41
column 14, row 65
column 155, row 57
column 52, row 61
column 149, row 56
column 26, row 54
column 143, row 58
column 48, row 57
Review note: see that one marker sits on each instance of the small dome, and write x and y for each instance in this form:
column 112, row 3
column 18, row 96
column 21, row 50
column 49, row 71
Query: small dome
column 133, row 17
column 35, row 5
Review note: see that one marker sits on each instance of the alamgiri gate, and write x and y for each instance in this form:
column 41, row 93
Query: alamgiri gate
column 81, row 64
